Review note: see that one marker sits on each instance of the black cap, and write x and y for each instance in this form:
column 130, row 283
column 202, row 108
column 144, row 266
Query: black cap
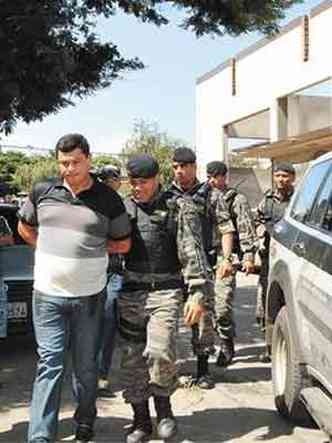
column 4, row 189
column 142, row 166
column 216, row 168
column 110, row 171
column 284, row 167
column 184, row 155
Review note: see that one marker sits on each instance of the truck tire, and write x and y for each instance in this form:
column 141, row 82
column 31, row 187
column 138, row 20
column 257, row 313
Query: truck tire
column 288, row 376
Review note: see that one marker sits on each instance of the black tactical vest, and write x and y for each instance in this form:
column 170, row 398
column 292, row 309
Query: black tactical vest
column 154, row 248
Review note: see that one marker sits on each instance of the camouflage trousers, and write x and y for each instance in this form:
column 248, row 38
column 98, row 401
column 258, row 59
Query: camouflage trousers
column 203, row 334
column 148, row 325
column 224, row 290
column 262, row 290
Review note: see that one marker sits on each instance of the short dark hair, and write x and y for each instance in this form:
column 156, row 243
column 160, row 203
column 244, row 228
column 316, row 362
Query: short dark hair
column 69, row 142
column 184, row 155
column 216, row 168
column 284, row 167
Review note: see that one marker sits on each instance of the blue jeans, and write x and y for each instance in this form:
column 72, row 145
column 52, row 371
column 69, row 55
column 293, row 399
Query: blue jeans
column 61, row 325
column 109, row 325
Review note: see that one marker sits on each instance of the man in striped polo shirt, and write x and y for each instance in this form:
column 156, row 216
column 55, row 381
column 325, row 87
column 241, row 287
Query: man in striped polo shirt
column 74, row 223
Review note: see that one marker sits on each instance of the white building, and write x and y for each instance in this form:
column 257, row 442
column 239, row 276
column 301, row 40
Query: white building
column 276, row 93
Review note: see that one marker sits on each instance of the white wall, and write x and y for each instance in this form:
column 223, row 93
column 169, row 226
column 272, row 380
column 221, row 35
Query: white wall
column 273, row 70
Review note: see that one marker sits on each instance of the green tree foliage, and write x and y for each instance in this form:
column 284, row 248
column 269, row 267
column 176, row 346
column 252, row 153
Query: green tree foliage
column 38, row 168
column 50, row 53
column 148, row 139
column 18, row 171
column 10, row 162
column 99, row 161
column 233, row 17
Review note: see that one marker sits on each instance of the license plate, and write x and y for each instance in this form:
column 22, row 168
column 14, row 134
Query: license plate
column 17, row 310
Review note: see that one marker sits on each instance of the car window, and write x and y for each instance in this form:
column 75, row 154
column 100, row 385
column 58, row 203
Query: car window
column 321, row 215
column 309, row 188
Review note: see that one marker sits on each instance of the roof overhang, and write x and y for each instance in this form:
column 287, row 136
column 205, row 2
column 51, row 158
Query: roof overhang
column 297, row 149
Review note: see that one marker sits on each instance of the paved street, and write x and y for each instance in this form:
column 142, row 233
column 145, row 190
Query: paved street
column 239, row 409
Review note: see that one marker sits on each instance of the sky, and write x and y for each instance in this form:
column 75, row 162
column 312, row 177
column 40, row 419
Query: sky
column 163, row 93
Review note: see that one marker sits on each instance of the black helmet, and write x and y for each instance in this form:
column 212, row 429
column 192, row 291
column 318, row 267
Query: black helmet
column 109, row 171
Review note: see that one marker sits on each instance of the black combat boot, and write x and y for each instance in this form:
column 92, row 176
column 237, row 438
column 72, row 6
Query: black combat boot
column 265, row 357
column 84, row 433
column 226, row 353
column 167, row 427
column 261, row 323
column 142, row 426
column 203, row 379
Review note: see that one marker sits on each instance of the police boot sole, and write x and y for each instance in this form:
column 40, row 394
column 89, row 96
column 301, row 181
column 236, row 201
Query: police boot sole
column 225, row 358
column 205, row 382
column 167, row 428
column 138, row 436
column 265, row 358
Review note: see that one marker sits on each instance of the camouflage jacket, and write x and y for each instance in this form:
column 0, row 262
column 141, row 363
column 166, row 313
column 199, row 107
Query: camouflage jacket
column 4, row 227
column 213, row 214
column 191, row 252
column 179, row 217
column 269, row 211
column 245, row 241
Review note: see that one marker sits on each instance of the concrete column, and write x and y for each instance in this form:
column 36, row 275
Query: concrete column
column 274, row 121
column 278, row 119
column 224, row 145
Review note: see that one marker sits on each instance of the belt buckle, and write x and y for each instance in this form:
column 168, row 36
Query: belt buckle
column 153, row 285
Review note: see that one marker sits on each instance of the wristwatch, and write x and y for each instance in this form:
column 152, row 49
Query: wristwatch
column 228, row 258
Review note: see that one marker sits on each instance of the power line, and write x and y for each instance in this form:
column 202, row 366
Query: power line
column 35, row 149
